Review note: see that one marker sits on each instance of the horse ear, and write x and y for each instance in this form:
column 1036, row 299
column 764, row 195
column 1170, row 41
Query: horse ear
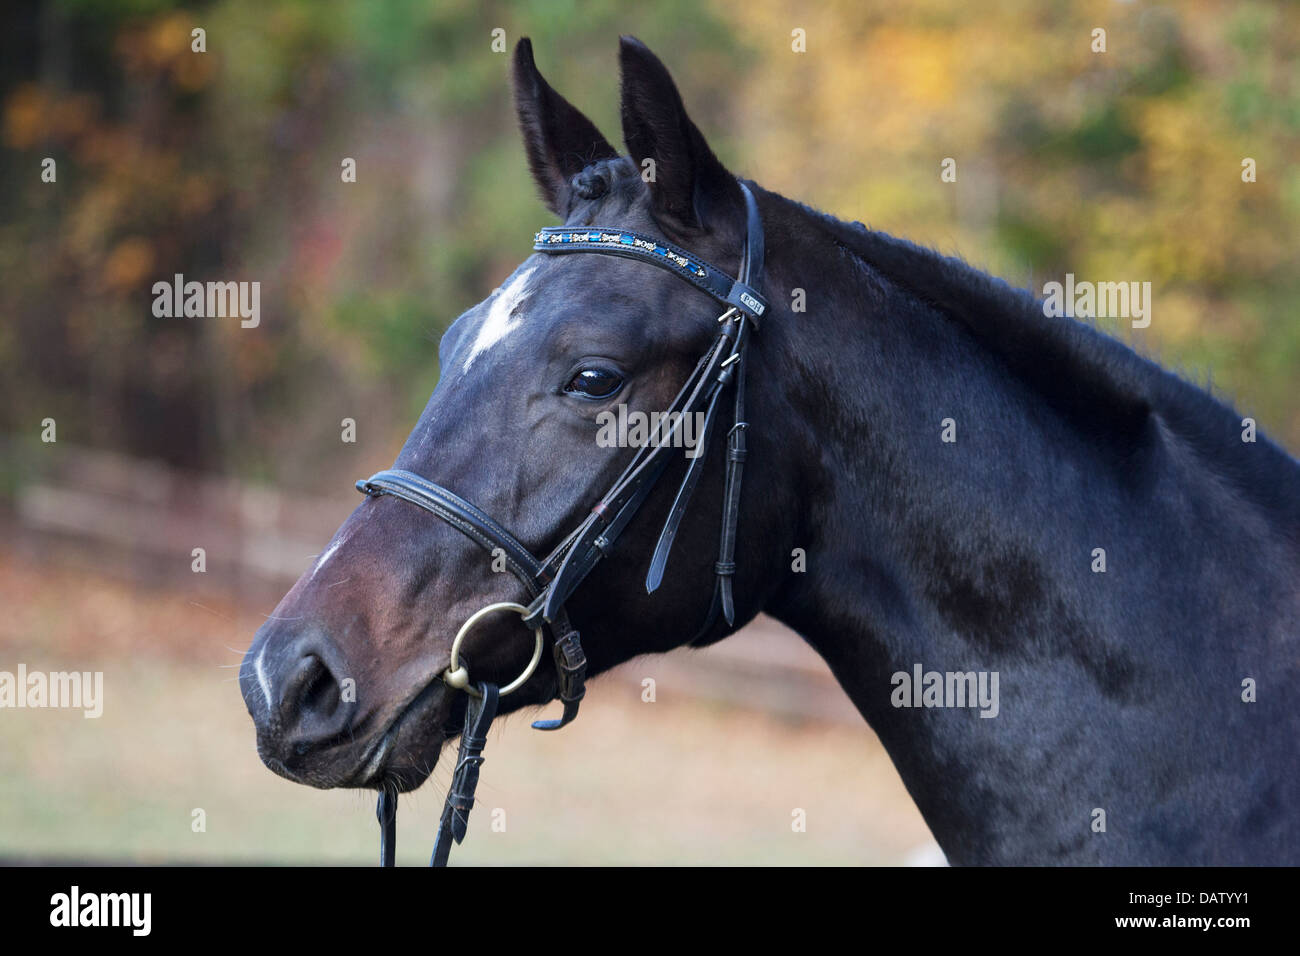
column 559, row 140
column 689, row 187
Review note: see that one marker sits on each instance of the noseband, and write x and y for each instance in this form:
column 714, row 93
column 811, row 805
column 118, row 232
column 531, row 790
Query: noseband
column 551, row 581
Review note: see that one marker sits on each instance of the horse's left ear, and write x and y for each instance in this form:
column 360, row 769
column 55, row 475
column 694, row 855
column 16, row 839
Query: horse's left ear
column 559, row 139
column 691, row 189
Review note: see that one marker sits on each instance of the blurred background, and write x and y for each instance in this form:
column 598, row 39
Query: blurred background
column 225, row 165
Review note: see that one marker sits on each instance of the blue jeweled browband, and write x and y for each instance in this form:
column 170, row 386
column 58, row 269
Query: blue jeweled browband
column 634, row 245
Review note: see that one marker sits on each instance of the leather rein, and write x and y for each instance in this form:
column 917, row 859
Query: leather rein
column 551, row 581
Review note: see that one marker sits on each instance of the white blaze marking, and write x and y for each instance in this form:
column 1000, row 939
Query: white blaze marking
column 499, row 322
column 329, row 553
column 261, row 677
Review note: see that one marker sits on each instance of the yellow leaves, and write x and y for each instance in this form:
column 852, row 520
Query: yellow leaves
column 915, row 65
column 1191, row 319
column 1192, row 172
column 193, row 71
column 157, row 45
column 164, row 47
column 169, row 38
column 1122, row 166
column 1177, row 138
column 24, row 118
column 128, row 264
column 34, row 116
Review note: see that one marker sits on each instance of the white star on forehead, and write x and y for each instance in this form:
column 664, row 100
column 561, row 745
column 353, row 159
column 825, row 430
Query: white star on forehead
column 499, row 321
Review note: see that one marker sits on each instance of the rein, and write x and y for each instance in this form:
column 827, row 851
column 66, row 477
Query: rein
column 552, row 580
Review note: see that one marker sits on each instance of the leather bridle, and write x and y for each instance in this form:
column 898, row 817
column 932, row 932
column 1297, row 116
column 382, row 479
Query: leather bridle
column 551, row 581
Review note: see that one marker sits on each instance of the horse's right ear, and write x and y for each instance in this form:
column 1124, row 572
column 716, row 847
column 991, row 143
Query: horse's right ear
column 689, row 189
column 559, row 140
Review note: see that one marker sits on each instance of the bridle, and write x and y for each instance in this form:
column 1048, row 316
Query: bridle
column 551, row 581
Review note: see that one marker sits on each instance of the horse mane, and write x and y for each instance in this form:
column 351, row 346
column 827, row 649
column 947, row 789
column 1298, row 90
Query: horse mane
column 1101, row 386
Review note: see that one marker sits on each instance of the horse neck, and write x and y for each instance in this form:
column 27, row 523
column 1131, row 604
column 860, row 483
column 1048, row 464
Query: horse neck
column 978, row 554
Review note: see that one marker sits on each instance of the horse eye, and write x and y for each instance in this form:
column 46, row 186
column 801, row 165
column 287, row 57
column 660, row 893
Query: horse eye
column 595, row 383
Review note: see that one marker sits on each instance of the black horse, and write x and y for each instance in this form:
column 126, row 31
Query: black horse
column 956, row 500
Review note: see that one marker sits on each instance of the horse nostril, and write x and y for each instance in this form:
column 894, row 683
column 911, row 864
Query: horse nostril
column 308, row 709
column 311, row 691
column 321, row 693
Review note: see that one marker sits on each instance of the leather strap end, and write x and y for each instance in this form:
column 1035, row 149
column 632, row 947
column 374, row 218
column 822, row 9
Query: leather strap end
column 386, row 813
column 728, row 605
column 571, row 666
column 566, row 718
